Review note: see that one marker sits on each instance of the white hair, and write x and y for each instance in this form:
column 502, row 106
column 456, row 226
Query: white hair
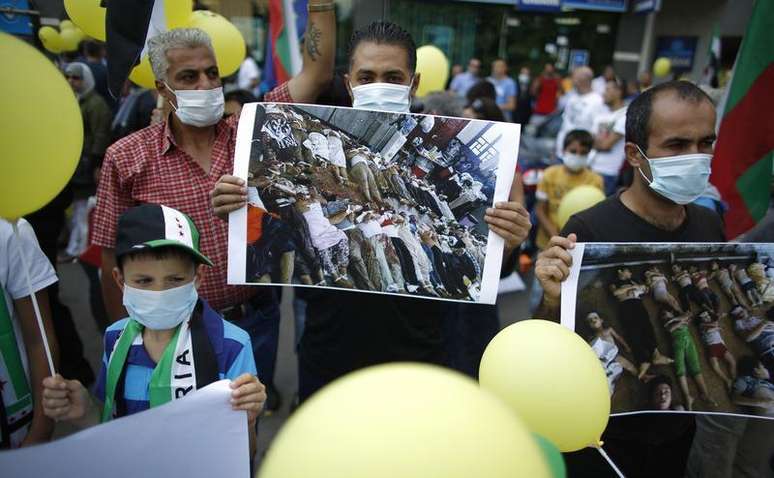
column 159, row 45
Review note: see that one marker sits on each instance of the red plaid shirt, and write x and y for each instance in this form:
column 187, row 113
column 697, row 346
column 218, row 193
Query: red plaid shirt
column 280, row 94
column 148, row 167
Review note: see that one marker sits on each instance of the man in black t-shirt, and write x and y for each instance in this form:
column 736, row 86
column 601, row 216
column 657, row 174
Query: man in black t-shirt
column 670, row 131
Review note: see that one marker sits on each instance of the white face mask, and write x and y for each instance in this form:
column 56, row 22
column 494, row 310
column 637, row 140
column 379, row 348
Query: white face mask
column 382, row 97
column 161, row 310
column 575, row 162
column 681, row 179
column 199, row 108
column 523, row 78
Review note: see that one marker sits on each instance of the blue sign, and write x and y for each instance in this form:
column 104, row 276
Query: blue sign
column 679, row 50
column 602, row 5
column 646, row 6
column 578, row 58
column 15, row 23
column 539, row 5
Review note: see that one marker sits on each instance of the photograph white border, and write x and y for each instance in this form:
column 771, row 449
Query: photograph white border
column 490, row 276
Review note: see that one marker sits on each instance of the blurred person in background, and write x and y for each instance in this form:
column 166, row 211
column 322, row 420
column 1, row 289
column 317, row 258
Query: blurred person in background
column 97, row 118
column 545, row 90
column 249, row 75
column 608, row 130
column 524, row 97
column 581, row 107
column 94, row 57
column 456, row 69
column 483, row 109
column 505, row 88
column 462, row 82
column 599, row 83
column 235, row 100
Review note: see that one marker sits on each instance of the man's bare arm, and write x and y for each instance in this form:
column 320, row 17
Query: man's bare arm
column 319, row 52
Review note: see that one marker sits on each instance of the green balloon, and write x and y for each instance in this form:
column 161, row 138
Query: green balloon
column 553, row 456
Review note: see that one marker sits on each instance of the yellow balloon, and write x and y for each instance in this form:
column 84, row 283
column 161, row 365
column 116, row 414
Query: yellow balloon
column 142, row 74
column 177, row 12
column 226, row 39
column 71, row 38
column 434, row 68
column 552, row 379
column 408, row 421
column 51, row 39
column 66, row 25
column 88, row 15
column 662, row 67
column 578, row 199
column 41, row 129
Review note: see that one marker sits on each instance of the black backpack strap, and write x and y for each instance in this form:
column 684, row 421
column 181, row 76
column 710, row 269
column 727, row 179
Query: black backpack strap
column 204, row 356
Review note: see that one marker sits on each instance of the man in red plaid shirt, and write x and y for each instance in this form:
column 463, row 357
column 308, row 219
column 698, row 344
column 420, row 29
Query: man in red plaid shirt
column 178, row 161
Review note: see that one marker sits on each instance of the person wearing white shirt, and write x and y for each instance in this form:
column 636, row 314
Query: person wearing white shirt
column 608, row 130
column 23, row 362
column 599, row 83
column 249, row 75
column 582, row 106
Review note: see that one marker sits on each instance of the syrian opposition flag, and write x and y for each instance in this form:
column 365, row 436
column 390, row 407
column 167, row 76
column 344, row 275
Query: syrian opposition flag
column 128, row 26
column 710, row 76
column 287, row 20
column 742, row 167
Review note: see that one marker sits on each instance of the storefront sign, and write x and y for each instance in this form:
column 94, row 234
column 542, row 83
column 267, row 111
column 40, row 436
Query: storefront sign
column 539, row 5
column 679, row 50
column 603, row 5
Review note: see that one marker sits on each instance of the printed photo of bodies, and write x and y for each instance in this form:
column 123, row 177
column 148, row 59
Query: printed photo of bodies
column 371, row 201
column 680, row 327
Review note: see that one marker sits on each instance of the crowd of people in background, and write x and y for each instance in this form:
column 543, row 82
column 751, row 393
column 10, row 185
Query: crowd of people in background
column 154, row 144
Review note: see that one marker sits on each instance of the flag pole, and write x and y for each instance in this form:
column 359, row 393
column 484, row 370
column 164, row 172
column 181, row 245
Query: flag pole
column 34, row 299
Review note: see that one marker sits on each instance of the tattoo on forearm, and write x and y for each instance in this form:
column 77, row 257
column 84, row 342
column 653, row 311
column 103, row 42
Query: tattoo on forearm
column 312, row 41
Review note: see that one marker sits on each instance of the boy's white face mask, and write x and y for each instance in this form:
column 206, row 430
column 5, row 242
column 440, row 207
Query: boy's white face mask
column 382, row 97
column 161, row 310
column 575, row 162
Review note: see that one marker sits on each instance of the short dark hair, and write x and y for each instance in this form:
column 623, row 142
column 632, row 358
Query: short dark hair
column 656, row 381
column 481, row 89
column 580, row 135
column 240, row 96
column 639, row 111
column 746, row 365
column 156, row 253
column 385, row 33
column 91, row 48
column 486, row 109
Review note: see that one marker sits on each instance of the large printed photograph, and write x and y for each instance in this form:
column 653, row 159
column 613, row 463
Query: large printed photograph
column 370, row 201
column 678, row 327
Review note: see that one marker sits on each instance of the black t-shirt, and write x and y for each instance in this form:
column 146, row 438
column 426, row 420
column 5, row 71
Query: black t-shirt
column 346, row 331
column 612, row 221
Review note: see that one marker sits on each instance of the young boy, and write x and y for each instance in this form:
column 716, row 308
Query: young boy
column 23, row 362
column 709, row 326
column 559, row 179
column 686, row 356
column 172, row 343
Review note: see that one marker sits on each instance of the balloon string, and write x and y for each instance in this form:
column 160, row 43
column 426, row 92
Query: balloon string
column 34, row 299
column 610, row 462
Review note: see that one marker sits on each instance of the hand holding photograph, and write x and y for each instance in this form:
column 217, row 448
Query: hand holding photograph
column 370, row 201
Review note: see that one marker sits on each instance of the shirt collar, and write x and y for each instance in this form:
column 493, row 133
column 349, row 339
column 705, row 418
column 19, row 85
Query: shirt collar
column 226, row 124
